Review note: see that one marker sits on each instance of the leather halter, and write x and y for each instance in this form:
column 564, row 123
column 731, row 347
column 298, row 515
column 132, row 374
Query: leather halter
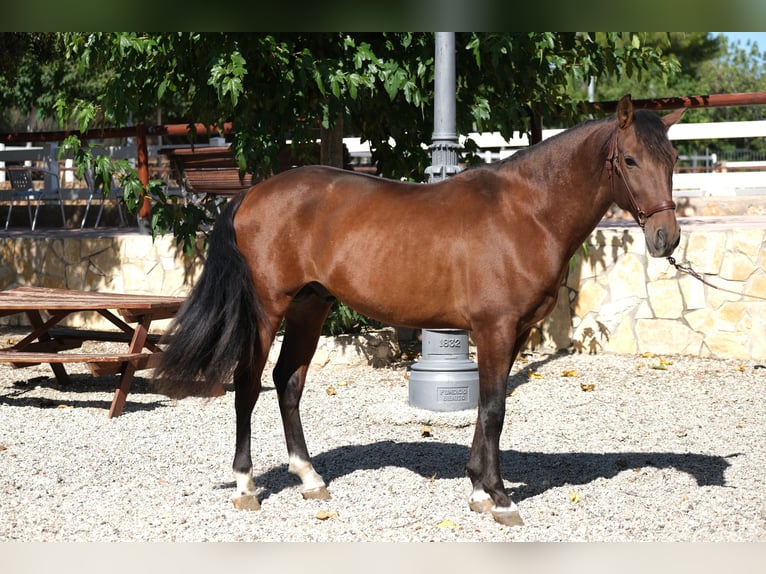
column 613, row 164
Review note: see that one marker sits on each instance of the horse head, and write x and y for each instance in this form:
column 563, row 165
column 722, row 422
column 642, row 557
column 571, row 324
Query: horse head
column 640, row 163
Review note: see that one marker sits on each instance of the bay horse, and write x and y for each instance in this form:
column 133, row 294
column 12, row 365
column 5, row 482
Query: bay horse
column 485, row 251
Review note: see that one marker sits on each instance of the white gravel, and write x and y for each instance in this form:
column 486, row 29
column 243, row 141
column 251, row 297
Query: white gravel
column 644, row 454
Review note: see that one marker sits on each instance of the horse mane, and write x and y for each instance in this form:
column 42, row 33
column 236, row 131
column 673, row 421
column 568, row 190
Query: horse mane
column 544, row 144
column 653, row 133
column 649, row 127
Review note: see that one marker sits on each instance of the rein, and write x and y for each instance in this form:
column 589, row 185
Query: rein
column 614, row 165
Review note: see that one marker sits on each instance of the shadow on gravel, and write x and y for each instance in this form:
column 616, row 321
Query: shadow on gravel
column 22, row 393
column 534, row 472
column 524, row 364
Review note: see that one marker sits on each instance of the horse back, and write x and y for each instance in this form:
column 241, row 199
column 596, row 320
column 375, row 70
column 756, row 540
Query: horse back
column 319, row 192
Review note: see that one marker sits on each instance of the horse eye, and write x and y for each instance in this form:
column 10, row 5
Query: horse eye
column 630, row 161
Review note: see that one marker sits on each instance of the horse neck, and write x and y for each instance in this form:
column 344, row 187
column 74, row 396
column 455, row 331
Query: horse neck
column 574, row 181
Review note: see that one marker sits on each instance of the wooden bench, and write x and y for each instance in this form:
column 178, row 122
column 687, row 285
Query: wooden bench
column 47, row 343
column 100, row 364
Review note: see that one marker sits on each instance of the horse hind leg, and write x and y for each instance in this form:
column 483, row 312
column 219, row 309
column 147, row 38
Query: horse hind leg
column 247, row 388
column 303, row 326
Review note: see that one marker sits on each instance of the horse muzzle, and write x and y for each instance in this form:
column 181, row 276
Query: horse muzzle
column 662, row 240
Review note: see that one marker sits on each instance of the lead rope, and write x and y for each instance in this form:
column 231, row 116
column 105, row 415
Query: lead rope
column 687, row 269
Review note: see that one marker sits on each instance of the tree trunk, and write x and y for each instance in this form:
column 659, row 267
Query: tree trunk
column 331, row 145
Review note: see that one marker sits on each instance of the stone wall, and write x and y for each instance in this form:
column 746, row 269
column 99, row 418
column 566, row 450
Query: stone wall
column 619, row 299
column 616, row 298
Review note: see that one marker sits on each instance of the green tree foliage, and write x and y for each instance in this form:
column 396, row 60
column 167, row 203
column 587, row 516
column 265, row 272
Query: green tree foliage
column 690, row 49
column 732, row 69
column 736, row 69
column 708, row 64
column 287, row 86
column 33, row 76
column 538, row 71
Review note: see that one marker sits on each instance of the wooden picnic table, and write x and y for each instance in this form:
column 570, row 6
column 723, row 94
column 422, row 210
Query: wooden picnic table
column 48, row 343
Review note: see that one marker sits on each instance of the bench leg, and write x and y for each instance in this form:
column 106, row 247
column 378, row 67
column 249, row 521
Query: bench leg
column 129, row 368
column 58, row 369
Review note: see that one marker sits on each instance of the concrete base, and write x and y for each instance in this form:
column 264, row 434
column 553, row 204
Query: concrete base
column 444, row 390
column 444, row 379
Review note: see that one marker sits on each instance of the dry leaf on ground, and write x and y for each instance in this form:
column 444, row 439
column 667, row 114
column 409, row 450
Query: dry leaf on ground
column 574, row 498
column 447, row 524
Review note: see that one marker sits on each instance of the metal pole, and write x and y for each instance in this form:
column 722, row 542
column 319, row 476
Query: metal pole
column 444, row 146
column 445, row 379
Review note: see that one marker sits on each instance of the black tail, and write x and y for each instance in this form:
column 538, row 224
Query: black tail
column 216, row 327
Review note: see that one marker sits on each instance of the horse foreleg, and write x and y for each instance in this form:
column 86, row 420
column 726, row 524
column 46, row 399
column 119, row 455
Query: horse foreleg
column 247, row 387
column 495, row 358
column 303, row 326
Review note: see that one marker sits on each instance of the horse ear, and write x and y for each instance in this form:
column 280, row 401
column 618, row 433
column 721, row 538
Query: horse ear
column 673, row 117
column 625, row 111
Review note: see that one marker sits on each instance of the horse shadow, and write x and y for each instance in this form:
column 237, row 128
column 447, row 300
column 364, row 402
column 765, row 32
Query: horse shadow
column 533, row 472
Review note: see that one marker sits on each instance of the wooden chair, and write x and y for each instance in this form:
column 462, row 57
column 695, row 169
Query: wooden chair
column 23, row 188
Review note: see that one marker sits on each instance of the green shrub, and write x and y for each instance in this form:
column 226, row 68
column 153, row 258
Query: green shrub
column 344, row 320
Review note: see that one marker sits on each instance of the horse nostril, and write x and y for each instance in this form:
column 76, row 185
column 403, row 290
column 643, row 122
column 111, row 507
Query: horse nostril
column 661, row 238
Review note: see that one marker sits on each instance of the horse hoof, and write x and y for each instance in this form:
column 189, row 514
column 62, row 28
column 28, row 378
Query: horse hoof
column 246, row 502
column 481, row 506
column 320, row 493
column 507, row 516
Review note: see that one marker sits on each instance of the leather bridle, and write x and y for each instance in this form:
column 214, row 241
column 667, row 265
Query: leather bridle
column 614, row 164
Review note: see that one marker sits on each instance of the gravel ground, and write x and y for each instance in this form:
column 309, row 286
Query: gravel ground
column 595, row 448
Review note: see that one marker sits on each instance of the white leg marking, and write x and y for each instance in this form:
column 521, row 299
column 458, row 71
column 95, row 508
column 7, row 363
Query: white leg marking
column 507, row 515
column 480, row 501
column 479, row 496
column 303, row 470
column 244, row 483
column 511, row 508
